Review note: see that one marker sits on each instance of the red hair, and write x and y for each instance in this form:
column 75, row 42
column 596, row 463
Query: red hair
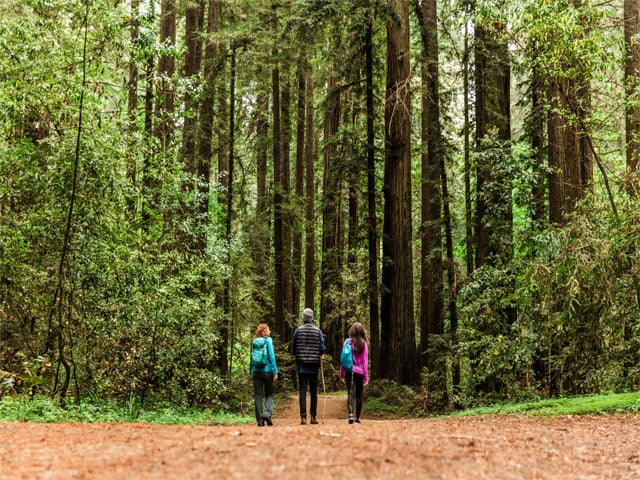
column 261, row 331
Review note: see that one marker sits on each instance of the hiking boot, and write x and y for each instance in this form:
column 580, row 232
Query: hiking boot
column 303, row 420
column 268, row 421
column 261, row 423
column 314, row 421
column 358, row 420
column 351, row 420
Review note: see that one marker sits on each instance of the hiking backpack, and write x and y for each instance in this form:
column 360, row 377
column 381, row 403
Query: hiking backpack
column 259, row 354
column 346, row 355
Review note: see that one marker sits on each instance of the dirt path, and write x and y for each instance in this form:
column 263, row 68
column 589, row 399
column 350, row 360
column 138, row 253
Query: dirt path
column 487, row 447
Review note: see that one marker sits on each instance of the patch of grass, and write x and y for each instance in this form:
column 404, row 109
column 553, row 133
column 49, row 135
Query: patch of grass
column 580, row 405
column 45, row 410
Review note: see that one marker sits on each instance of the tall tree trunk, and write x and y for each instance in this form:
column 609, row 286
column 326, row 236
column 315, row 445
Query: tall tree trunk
column 261, row 232
column 632, row 92
column 149, row 180
column 493, row 132
column 226, row 302
column 165, row 96
column 212, row 65
column 632, row 128
column 278, row 207
column 556, row 153
column 224, row 186
column 432, row 341
column 399, row 360
column 193, row 61
column 132, row 100
column 330, row 278
column 310, row 239
column 372, row 219
column 287, row 217
column 298, row 213
column 494, row 218
column 468, row 207
column 537, row 146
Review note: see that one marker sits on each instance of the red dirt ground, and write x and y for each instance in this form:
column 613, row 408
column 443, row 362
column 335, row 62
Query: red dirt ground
column 485, row 447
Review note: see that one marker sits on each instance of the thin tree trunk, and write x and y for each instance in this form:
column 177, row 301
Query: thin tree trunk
column 537, row 146
column 165, row 96
column 298, row 214
column 223, row 137
column 372, row 221
column 261, row 245
column 468, row 208
column 132, row 100
column 228, row 313
column 310, row 155
column 330, row 278
column 287, row 217
column 278, row 214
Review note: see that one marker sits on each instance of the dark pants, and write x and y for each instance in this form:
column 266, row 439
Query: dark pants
column 310, row 379
column 263, row 386
column 355, row 385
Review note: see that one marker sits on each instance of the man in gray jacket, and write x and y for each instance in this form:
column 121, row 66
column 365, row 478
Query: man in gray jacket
column 308, row 348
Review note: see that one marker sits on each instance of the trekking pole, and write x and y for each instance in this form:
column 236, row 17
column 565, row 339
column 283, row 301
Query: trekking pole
column 324, row 388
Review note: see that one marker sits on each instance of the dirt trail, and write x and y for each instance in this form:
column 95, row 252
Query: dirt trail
column 486, row 447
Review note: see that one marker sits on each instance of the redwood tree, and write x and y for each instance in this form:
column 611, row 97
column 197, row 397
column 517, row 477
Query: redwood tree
column 399, row 360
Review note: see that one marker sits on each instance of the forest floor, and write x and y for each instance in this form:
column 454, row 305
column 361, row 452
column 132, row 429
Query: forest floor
column 479, row 447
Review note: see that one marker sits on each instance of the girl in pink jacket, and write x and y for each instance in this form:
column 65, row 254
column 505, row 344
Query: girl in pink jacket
column 358, row 376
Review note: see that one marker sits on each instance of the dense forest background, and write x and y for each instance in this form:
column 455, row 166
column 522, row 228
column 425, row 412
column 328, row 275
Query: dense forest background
column 460, row 176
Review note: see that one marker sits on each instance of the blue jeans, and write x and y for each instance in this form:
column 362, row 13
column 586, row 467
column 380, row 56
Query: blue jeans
column 263, row 386
column 310, row 379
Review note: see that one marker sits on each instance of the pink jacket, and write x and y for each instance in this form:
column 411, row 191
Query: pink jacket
column 360, row 362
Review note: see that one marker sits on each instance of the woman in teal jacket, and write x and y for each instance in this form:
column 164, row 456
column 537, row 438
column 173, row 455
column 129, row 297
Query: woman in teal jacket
column 263, row 375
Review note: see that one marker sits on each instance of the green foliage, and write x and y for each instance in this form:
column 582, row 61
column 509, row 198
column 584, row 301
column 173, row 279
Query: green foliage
column 386, row 397
column 579, row 405
column 576, row 291
column 41, row 409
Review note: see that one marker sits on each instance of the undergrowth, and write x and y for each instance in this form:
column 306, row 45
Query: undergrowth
column 389, row 405
column 43, row 409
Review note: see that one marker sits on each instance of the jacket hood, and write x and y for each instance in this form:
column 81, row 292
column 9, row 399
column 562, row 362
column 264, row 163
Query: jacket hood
column 259, row 341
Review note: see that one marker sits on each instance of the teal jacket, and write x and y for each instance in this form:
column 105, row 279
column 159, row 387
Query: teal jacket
column 271, row 366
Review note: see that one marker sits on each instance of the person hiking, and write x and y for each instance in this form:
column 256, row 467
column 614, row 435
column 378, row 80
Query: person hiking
column 358, row 375
column 308, row 348
column 264, row 372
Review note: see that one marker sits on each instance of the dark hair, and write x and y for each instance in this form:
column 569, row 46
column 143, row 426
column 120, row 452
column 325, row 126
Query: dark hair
column 358, row 334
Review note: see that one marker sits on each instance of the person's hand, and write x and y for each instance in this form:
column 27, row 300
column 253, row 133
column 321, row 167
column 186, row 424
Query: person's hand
column 275, row 377
column 342, row 379
column 322, row 357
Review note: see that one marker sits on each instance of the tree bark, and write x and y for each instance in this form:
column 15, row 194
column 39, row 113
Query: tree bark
column 432, row 341
column 632, row 92
column 330, row 278
column 372, row 219
column 298, row 213
column 310, row 155
column 494, row 216
column 193, row 61
column 165, row 95
column 399, row 360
